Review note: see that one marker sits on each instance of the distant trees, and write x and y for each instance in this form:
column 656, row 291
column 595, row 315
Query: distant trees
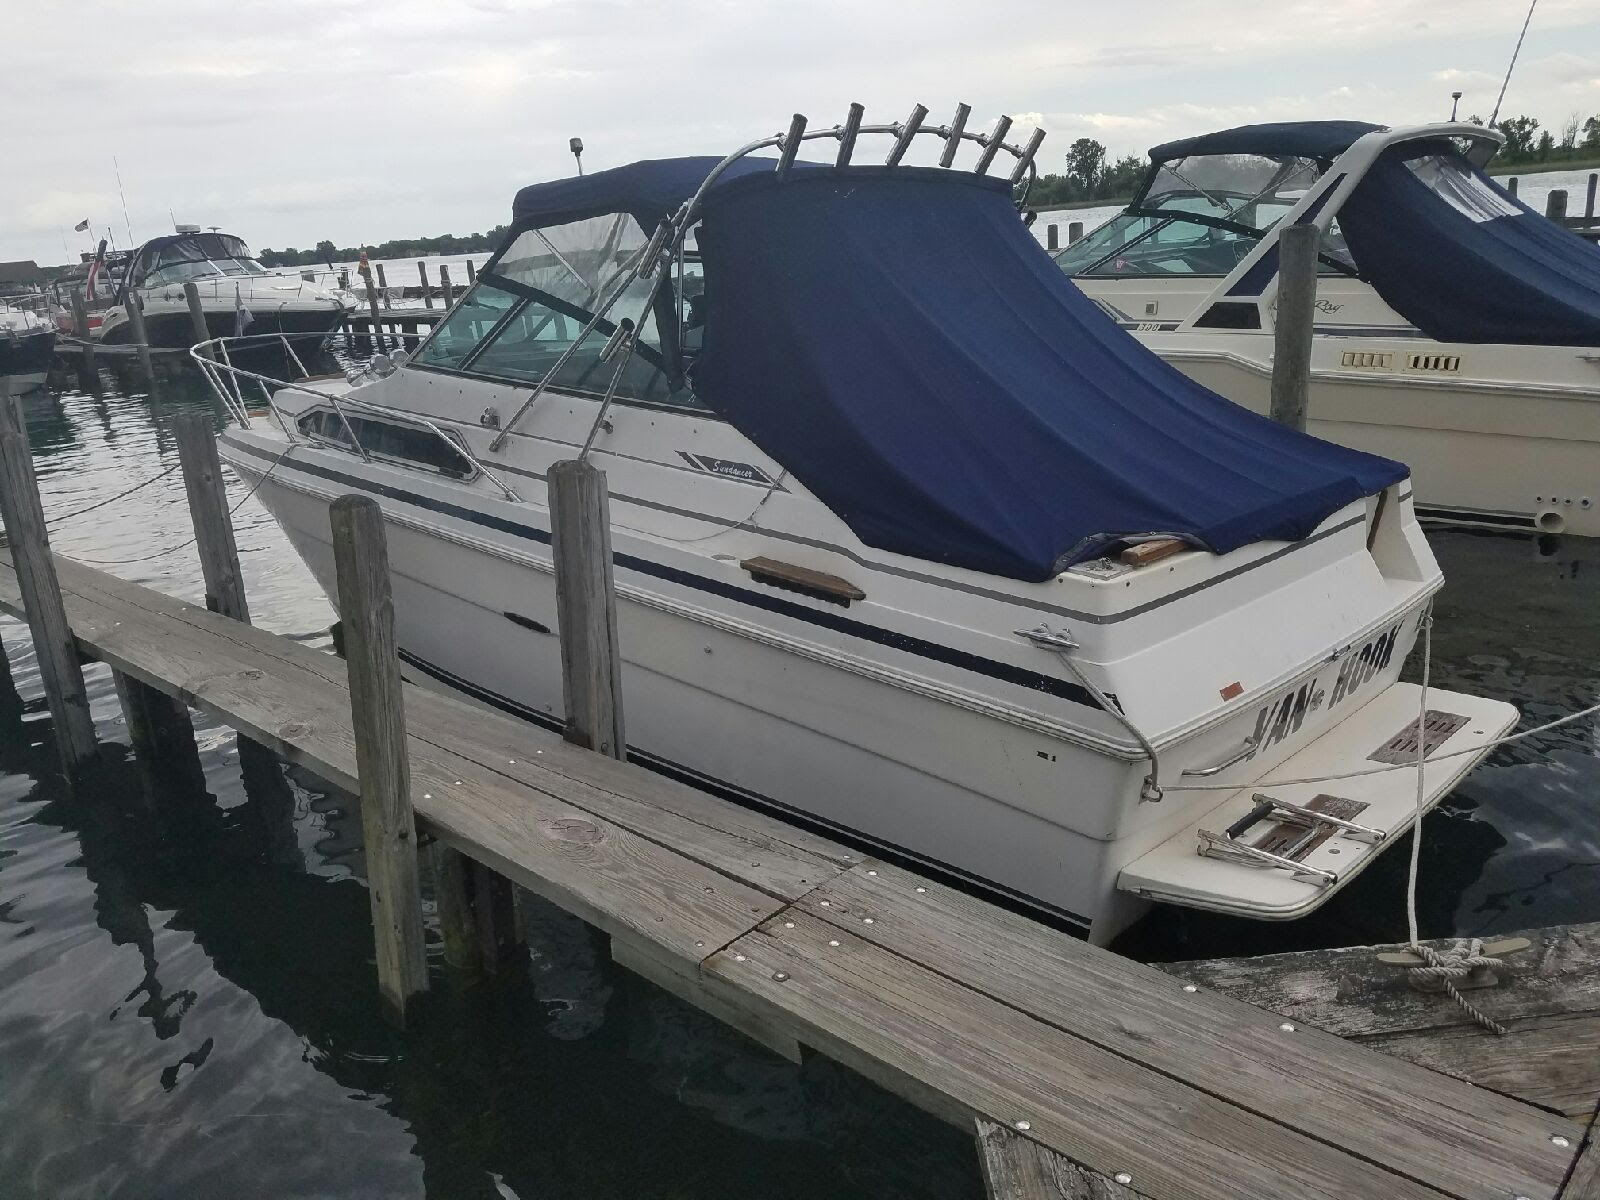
column 327, row 252
column 1089, row 176
column 1527, row 143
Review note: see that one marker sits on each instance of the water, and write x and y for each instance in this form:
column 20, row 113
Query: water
column 187, row 999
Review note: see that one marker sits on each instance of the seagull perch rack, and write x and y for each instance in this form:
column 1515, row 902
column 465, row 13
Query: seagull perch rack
column 672, row 231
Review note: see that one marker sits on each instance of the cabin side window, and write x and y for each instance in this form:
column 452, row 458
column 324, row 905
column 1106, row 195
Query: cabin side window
column 532, row 307
column 381, row 438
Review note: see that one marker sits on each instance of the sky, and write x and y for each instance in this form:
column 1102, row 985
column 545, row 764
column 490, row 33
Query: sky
column 290, row 121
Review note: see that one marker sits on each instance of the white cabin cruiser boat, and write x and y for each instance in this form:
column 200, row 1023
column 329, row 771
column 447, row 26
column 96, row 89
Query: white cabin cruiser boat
column 911, row 543
column 1457, row 329
column 236, row 292
column 27, row 346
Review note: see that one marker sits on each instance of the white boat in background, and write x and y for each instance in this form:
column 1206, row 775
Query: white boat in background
column 1457, row 329
column 909, row 543
column 231, row 284
column 27, row 346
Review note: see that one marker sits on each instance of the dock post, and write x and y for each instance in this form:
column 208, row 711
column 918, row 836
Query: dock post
column 197, row 315
column 427, row 296
column 1511, row 185
column 372, row 306
column 213, row 525
column 1588, row 204
column 444, row 285
column 1555, row 205
column 141, row 338
column 1291, row 333
column 1052, row 236
column 1074, row 231
column 586, row 607
column 377, row 709
column 383, row 285
column 159, row 730
column 472, row 271
column 80, row 325
column 344, row 279
column 29, row 543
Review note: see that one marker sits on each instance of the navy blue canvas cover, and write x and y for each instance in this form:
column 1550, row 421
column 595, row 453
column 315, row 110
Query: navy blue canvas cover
column 1498, row 273
column 1300, row 139
column 904, row 347
column 647, row 190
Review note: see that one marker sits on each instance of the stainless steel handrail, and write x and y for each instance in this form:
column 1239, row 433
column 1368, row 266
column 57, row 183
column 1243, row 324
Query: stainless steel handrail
column 208, row 365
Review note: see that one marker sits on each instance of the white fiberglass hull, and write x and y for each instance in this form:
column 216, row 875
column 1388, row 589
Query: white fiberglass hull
column 1504, row 437
column 800, row 707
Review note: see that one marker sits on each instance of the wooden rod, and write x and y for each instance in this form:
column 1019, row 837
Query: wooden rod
column 1588, row 204
column 208, row 508
column 472, row 271
column 80, row 325
column 377, row 707
column 372, row 306
column 197, row 315
column 141, row 338
column 586, row 607
column 453, row 888
column 444, row 285
column 1297, row 298
column 427, row 296
column 1555, row 205
column 383, row 284
column 29, row 543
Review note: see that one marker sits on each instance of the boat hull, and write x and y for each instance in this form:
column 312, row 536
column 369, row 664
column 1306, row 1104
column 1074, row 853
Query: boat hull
column 773, row 722
column 1491, row 453
column 25, row 357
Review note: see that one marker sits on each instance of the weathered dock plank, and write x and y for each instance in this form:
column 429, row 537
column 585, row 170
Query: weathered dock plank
column 1548, row 1000
column 1015, row 1168
column 1301, row 1077
column 973, row 1013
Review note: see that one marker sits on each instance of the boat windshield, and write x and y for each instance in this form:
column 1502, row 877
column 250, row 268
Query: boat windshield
column 1202, row 215
column 177, row 260
column 531, row 304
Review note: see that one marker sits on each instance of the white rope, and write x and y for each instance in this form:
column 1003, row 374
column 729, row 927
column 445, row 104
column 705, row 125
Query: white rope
column 1447, row 966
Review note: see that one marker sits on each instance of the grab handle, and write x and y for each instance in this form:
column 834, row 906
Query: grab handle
column 1245, row 750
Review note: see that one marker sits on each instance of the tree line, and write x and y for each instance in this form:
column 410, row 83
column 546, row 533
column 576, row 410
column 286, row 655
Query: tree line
column 326, row 253
column 1526, row 142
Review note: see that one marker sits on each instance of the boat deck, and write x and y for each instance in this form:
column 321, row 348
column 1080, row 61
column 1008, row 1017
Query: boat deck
column 1071, row 1062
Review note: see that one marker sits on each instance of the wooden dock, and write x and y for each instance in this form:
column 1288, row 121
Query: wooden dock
column 1079, row 1072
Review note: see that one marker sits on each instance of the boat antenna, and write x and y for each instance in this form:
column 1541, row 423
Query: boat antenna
column 1512, row 64
column 116, row 166
column 576, row 146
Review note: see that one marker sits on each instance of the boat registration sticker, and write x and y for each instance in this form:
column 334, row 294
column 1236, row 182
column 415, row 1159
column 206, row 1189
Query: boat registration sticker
column 1285, row 715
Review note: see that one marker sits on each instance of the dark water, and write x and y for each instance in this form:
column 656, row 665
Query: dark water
column 187, row 999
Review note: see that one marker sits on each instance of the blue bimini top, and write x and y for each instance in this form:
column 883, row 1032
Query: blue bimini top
column 898, row 341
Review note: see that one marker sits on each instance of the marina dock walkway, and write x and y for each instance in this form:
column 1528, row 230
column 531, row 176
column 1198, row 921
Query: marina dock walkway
column 1081, row 1072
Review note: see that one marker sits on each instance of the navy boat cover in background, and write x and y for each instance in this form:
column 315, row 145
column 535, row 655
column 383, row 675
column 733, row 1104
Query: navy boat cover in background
column 1465, row 261
column 898, row 340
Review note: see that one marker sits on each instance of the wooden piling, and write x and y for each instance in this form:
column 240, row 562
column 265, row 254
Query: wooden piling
column 159, row 729
column 1588, row 203
column 80, row 325
column 1052, row 237
column 472, row 271
column 377, row 341
column 213, row 525
column 29, row 543
column 377, row 705
column 344, row 279
column 141, row 338
column 197, row 315
column 444, row 285
column 453, row 888
column 1511, row 185
column 1291, row 334
column 586, row 607
column 1074, row 231
column 427, row 296
column 1555, row 205
column 383, row 284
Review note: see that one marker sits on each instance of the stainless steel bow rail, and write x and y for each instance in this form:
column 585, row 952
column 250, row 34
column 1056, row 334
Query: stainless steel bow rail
column 1071, row 1063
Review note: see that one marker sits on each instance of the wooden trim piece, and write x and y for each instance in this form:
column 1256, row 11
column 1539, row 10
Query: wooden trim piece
column 803, row 580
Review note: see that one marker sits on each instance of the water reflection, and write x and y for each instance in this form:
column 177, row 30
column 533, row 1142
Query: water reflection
column 187, row 994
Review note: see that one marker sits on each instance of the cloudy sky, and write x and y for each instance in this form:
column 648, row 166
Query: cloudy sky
column 289, row 121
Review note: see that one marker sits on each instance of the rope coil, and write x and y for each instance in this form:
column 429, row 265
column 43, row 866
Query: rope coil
column 1448, row 967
